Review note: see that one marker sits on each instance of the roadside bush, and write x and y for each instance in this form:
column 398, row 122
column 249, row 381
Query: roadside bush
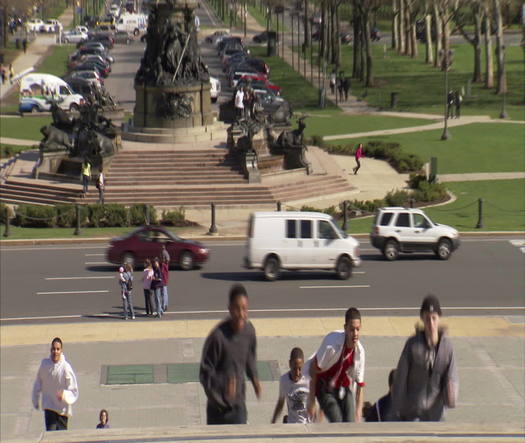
column 35, row 216
column 430, row 192
column 315, row 140
column 415, row 179
column 3, row 208
column 367, row 206
column 332, row 210
column 111, row 215
column 397, row 198
column 176, row 218
column 66, row 216
column 137, row 214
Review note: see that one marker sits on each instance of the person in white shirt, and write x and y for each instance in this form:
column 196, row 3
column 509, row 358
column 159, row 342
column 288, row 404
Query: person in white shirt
column 101, row 186
column 239, row 104
column 293, row 387
column 56, row 383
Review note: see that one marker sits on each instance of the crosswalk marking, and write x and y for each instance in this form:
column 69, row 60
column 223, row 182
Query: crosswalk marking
column 519, row 244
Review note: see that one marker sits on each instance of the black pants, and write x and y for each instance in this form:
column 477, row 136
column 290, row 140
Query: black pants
column 54, row 421
column 358, row 166
column 147, row 301
column 217, row 416
column 337, row 408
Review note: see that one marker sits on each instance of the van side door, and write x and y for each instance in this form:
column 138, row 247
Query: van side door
column 327, row 242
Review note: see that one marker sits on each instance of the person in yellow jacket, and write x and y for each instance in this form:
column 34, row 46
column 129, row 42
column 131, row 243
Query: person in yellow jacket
column 86, row 176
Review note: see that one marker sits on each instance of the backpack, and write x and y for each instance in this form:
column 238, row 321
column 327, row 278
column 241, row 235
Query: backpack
column 129, row 281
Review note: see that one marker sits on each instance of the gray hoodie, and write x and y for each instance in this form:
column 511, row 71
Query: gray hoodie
column 425, row 381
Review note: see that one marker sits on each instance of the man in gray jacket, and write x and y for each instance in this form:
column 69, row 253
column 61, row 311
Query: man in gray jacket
column 426, row 379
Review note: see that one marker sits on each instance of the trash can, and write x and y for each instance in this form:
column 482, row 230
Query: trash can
column 272, row 43
column 17, row 43
column 393, row 99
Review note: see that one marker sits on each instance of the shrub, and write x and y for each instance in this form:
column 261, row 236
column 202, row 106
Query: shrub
column 415, row 179
column 111, row 215
column 3, row 209
column 332, row 210
column 397, row 198
column 176, row 218
column 66, row 216
column 137, row 214
column 315, row 140
column 35, row 216
column 430, row 192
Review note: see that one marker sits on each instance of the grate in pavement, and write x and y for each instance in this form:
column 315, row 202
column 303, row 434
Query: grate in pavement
column 171, row 373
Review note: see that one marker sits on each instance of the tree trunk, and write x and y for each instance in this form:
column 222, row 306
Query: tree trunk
column 501, row 87
column 489, row 57
column 476, row 75
column 406, row 36
column 369, row 78
column 337, row 52
column 395, row 24
column 429, row 55
column 414, row 48
column 306, row 25
column 401, row 48
column 357, row 66
column 439, row 35
column 446, row 44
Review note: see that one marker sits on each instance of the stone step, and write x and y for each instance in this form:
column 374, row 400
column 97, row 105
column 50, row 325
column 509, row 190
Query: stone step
column 192, row 169
column 43, row 190
column 170, row 138
column 208, row 153
column 33, row 197
column 174, row 181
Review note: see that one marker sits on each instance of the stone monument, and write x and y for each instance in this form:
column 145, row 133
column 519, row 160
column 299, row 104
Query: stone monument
column 172, row 84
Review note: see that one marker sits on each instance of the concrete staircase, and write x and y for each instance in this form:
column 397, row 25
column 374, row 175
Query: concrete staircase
column 19, row 190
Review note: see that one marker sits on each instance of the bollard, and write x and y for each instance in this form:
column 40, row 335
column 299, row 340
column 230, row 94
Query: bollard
column 411, row 202
column 7, row 231
column 393, row 99
column 279, row 206
column 433, row 170
column 345, row 216
column 146, row 215
column 480, row 214
column 213, row 227
column 77, row 227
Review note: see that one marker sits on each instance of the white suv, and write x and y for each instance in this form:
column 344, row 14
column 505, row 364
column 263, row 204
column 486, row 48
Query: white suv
column 398, row 230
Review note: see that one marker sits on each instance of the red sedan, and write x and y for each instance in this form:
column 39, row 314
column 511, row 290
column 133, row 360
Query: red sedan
column 147, row 241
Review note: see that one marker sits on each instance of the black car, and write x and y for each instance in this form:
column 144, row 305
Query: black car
column 82, row 87
column 102, row 69
column 229, row 41
column 263, row 37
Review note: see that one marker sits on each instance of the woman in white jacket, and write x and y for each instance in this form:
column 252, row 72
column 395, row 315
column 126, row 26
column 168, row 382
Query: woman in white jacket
column 57, row 383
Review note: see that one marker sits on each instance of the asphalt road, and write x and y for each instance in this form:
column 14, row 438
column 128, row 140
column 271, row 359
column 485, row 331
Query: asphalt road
column 74, row 283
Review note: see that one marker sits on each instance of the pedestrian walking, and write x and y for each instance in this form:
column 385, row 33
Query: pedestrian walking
column 2, row 75
column 11, row 73
column 426, row 379
column 85, row 176
column 294, row 387
column 156, row 287
column 24, row 45
column 165, row 271
column 450, row 104
column 337, row 372
column 340, row 87
column 103, row 417
column 239, row 104
column 101, row 186
column 147, row 277
column 333, row 80
column 126, row 287
column 346, row 87
column 56, row 385
column 458, row 99
column 382, row 409
column 359, row 154
column 230, row 352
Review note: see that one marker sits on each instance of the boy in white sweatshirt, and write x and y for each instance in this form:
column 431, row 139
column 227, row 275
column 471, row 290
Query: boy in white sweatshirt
column 57, row 383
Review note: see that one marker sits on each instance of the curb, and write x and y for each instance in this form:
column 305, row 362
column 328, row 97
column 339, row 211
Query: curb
column 209, row 239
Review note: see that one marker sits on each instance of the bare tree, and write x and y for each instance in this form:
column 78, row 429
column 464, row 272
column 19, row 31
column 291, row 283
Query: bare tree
column 429, row 54
column 439, row 29
column 446, row 11
column 395, row 24
column 475, row 15
column 489, row 57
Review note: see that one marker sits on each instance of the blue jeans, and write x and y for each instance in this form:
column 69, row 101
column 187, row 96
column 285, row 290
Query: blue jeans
column 164, row 298
column 158, row 300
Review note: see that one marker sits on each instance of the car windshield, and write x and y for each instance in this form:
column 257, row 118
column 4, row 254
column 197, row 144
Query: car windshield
column 338, row 229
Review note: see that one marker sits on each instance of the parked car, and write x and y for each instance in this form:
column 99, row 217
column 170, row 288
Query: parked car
column 228, row 41
column 215, row 89
column 34, row 25
column 147, row 242
column 102, row 69
column 89, row 76
column 74, row 36
column 51, row 25
column 263, row 37
column 258, row 81
column 83, row 87
column 297, row 241
column 397, row 229
column 216, row 37
column 91, row 44
column 236, row 75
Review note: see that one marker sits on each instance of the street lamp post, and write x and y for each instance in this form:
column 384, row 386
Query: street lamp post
column 503, row 113
column 446, row 63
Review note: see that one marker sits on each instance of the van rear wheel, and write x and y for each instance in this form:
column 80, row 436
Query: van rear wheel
column 343, row 269
column 271, row 268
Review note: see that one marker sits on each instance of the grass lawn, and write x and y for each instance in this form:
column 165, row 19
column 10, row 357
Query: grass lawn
column 479, row 147
column 25, row 128
column 42, row 233
column 56, row 61
column 421, row 86
column 7, row 151
column 504, row 207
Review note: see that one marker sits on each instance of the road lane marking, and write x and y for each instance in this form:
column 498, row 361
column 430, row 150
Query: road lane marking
column 37, row 248
column 97, row 263
column 358, row 272
column 94, row 255
column 415, row 308
column 79, row 278
column 334, row 287
column 73, row 292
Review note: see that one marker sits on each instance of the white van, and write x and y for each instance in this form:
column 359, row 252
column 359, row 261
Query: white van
column 299, row 240
column 132, row 23
column 38, row 91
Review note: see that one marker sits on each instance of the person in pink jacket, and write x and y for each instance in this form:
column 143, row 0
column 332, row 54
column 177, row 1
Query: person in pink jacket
column 359, row 153
column 56, row 383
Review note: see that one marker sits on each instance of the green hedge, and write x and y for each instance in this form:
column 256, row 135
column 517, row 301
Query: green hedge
column 109, row 215
column 391, row 152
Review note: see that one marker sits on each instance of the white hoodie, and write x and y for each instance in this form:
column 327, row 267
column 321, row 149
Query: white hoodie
column 52, row 378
